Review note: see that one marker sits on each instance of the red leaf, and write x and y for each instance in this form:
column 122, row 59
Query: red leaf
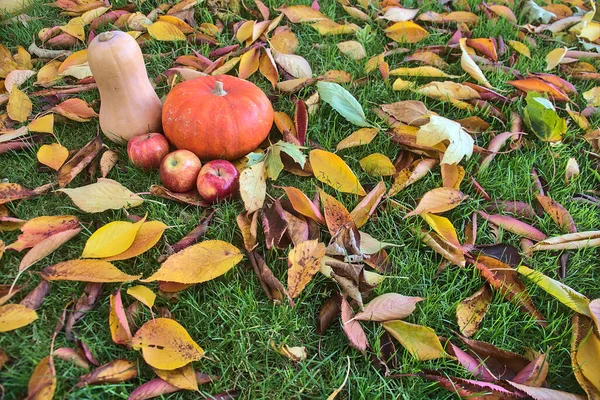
column 301, row 121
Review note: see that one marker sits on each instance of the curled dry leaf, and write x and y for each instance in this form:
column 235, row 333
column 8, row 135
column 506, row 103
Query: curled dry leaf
column 106, row 194
column 113, row 372
column 333, row 171
column 470, row 311
column 249, row 228
column 35, row 298
column 329, row 312
column 165, row 344
column 296, row 354
column 86, row 271
column 198, row 263
column 79, row 161
column 192, row 197
column 13, row 191
column 72, row 356
column 438, row 200
column 420, row 341
column 304, row 261
column 108, row 160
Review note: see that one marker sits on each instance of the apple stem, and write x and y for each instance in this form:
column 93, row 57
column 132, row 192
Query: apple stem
column 219, row 90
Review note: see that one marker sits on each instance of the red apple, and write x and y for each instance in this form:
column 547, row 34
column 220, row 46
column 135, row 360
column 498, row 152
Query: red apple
column 218, row 179
column 147, row 151
column 179, row 169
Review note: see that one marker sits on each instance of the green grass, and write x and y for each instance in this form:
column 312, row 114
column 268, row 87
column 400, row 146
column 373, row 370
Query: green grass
column 231, row 317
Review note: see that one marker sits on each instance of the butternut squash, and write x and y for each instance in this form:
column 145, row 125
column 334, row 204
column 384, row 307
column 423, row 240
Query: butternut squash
column 129, row 105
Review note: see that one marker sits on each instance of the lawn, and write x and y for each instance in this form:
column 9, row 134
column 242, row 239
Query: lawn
column 230, row 317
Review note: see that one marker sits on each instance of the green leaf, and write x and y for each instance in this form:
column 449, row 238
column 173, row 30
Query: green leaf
column 293, row 151
column 273, row 164
column 534, row 13
column 541, row 118
column 343, row 102
column 254, row 158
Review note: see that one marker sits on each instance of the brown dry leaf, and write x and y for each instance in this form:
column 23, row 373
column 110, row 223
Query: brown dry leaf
column 438, row 200
column 15, row 316
column 470, row 311
column 79, row 161
column 166, row 345
column 192, row 197
column 296, row 354
column 42, row 382
column 420, row 341
column 559, row 214
column 360, row 137
column 406, row 32
column 19, row 106
column 198, row 263
column 410, row 112
column 378, row 165
column 352, row 49
column 249, row 63
column 114, row 372
column 75, row 109
column 336, row 214
column 249, row 228
column 304, row 262
column 13, row 191
column 103, row 195
column 53, row 155
column 367, row 206
column 469, row 66
column 410, row 175
column 86, row 271
column 117, row 320
column 108, row 160
column 43, row 124
column 333, row 171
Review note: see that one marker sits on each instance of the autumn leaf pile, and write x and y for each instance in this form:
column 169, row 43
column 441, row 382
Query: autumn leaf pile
column 321, row 233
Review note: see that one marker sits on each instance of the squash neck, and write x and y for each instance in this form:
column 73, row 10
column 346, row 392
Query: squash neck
column 105, row 36
column 218, row 89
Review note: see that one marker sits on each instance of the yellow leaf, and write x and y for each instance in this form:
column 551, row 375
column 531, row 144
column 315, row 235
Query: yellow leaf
column 378, row 164
column 14, row 316
column 19, row 106
column 228, row 66
column 284, row 42
column 179, row 23
column 420, row 341
column 148, row 235
column 358, row 138
column 111, row 239
column 164, row 31
column 352, row 49
column 559, row 290
column 88, row 16
column 302, row 13
column 470, row 311
column 406, row 32
column 166, row 345
column 183, row 378
column 438, row 200
column 48, row 74
column 43, row 124
column 267, row 67
column 592, row 96
column 75, row 28
column 103, row 195
column 554, row 58
column 401, row 84
column 585, row 355
column 42, row 382
column 328, row 27
column 142, row 294
column 86, row 271
column 284, row 123
column 249, row 63
column 198, row 263
column 520, row 48
column 448, row 90
column 78, row 58
column 469, row 66
column 244, row 32
column 117, row 320
column 424, row 72
column 23, row 58
column 442, row 226
column 53, row 155
column 304, row 262
column 297, row 353
column 253, row 186
column 333, row 171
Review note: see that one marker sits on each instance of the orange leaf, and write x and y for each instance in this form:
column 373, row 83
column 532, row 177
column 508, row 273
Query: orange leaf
column 304, row 262
column 438, row 200
column 302, row 204
column 406, row 32
column 75, row 109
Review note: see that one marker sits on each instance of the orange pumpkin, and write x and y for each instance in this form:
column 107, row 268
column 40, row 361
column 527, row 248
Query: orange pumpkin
column 217, row 117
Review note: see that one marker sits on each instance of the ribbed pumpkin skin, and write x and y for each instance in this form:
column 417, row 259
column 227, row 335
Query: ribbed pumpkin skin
column 217, row 127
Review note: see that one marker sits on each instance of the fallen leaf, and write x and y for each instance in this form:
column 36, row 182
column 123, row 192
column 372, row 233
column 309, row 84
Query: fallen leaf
column 75, row 109
column 166, row 345
column 53, row 155
column 48, row 74
column 559, row 214
column 14, row 316
column 448, row 91
column 406, row 31
column 40, row 228
column 514, row 225
column 540, row 116
column 72, row 356
column 502, row 11
column 35, row 298
column 116, row 371
column 192, row 197
column 249, row 63
column 143, row 295
column 296, row 354
column 559, row 290
column 327, row 27
column 267, row 67
column 106, row 194
column 387, row 307
column 302, row 13
column 157, row 386
column 111, row 239
column 147, row 236
column 43, row 124
column 108, row 160
column 360, row 137
column 352, row 49
column 117, row 320
column 253, row 186
column 367, row 206
column 333, row 171
column 470, row 311
column 302, row 204
column 198, row 263
column 352, row 328
column 293, row 64
column 585, row 351
column 421, row 72
column 469, row 66
column 542, row 393
column 79, row 161
column 19, row 106
column 520, row 48
column 343, row 102
column 438, row 200
column 554, row 58
column 86, row 271
column 42, row 382
column 16, row 78
column 443, row 227
column 439, row 129
column 399, row 14
column 304, row 262
column 410, row 175
column 420, row 341
column 378, row 165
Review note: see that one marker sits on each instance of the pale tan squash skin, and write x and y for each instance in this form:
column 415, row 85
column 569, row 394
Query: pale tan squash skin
column 128, row 104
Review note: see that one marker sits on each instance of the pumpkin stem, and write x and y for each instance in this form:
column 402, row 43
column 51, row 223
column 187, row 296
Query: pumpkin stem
column 105, row 36
column 218, row 90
